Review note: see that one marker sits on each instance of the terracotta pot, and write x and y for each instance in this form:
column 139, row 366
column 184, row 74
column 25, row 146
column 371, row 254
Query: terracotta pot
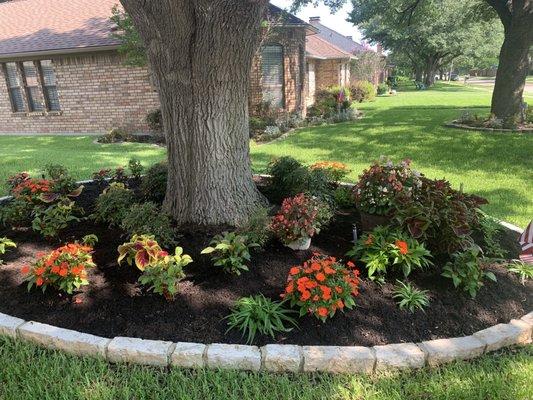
column 370, row 221
column 300, row 244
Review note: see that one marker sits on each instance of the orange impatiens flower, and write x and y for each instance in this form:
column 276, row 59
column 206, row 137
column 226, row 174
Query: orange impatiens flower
column 25, row 270
column 39, row 281
column 369, row 240
column 324, row 286
column 294, row 270
column 402, row 246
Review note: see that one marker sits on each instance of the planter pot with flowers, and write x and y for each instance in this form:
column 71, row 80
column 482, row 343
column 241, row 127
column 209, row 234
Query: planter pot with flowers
column 378, row 188
column 298, row 220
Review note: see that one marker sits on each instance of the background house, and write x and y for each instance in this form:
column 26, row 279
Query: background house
column 60, row 71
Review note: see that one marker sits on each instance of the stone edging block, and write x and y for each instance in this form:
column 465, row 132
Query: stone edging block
column 399, row 356
column 441, row 351
column 272, row 357
column 64, row 339
column 9, row 325
column 338, row 359
column 503, row 335
column 140, row 351
column 233, row 356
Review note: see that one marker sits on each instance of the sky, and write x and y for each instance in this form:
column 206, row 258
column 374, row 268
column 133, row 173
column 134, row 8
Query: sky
column 335, row 21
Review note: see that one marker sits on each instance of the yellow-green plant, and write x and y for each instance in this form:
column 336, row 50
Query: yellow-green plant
column 142, row 250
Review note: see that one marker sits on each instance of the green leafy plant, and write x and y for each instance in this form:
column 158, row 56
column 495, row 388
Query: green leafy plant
column 143, row 250
column 149, row 219
column 154, row 120
column 136, row 168
column 15, row 213
column 344, row 197
column 466, row 270
column 363, row 91
column 523, row 269
column 165, row 273
column 385, row 248
column 258, row 314
column 410, row 297
column 230, row 251
column 321, row 286
column 65, row 268
column 55, row 171
column 257, row 228
column 113, row 205
column 49, row 221
column 5, row 243
column 490, row 228
column 101, row 177
column 383, row 88
column 154, row 183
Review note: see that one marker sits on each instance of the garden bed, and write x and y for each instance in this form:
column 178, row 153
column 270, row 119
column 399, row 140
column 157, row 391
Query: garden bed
column 116, row 305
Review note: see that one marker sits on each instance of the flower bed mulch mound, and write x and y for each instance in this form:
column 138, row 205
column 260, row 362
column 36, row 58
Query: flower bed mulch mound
column 116, row 305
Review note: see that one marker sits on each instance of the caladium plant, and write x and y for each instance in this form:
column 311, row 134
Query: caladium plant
column 142, row 250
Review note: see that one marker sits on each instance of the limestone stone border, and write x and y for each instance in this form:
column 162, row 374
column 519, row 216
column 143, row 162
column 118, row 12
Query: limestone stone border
column 272, row 357
column 485, row 129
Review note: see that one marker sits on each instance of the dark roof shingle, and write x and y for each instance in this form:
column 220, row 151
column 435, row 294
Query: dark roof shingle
column 336, row 39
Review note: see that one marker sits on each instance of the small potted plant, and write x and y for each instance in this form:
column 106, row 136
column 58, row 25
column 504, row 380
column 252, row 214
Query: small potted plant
column 378, row 187
column 297, row 221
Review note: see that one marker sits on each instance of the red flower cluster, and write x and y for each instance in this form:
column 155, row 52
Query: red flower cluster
column 64, row 268
column 402, row 246
column 30, row 189
column 297, row 219
column 17, row 179
column 321, row 286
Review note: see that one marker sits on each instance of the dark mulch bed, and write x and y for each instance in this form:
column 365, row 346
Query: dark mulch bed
column 115, row 305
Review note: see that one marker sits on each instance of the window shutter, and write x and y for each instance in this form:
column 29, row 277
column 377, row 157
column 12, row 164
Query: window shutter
column 272, row 74
column 32, row 86
column 50, row 85
column 15, row 91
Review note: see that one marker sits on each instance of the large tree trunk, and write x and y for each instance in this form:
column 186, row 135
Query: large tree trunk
column 201, row 53
column 514, row 56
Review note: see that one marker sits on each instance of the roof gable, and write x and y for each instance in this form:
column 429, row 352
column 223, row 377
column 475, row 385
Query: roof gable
column 316, row 47
column 336, row 39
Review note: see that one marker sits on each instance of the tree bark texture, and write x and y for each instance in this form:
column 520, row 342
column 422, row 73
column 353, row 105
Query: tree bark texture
column 514, row 56
column 201, row 53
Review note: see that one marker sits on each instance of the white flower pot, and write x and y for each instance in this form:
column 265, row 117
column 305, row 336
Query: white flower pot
column 300, row 244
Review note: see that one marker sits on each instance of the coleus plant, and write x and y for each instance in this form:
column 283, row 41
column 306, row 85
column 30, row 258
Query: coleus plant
column 143, row 250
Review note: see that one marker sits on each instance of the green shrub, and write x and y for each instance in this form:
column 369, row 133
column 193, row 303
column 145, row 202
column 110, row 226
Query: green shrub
column 148, row 219
column 115, row 135
column 15, row 213
column 290, row 177
column 154, row 120
column 385, row 248
column 112, row 206
column 383, row 88
column 489, row 228
column 49, row 221
column 344, row 197
column 330, row 101
column 410, row 297
column 257, row 229
column 55, row 172
column 466, row 270
column 363, row 91
column 257, row 314
column 154, row 183
column 230, row 251
column 136, row 168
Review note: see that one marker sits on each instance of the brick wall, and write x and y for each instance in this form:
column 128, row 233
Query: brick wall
column 96, row 93
column 293, row 42
column 327, row 73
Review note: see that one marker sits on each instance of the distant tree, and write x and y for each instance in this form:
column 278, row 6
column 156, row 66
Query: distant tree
column 517, row 19
column 367, row 65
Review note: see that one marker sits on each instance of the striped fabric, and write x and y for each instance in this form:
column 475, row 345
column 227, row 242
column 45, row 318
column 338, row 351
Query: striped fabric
column 526, row 242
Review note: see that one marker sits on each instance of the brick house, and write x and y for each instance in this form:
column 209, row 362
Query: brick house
column 60, row 71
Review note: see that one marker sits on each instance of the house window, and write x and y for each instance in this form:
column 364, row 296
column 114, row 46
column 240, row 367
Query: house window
column 14, row 87
column 49, row 86
column 272, row 72
column 31, row 83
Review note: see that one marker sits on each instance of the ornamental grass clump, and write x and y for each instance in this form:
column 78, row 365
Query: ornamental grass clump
column 64, row 269
column 322, row 286
column 300, row 217
column 387, row 248
column 258, row 314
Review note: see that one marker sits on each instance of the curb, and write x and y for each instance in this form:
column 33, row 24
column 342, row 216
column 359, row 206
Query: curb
column 272, row 357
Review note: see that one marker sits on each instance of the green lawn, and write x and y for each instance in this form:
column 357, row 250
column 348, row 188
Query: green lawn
column 78, row 153
column 495, row 165
column 29, row 372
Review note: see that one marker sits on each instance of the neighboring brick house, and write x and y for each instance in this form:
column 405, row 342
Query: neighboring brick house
column 346, row 44
column 327, row 65
column 60, row 71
